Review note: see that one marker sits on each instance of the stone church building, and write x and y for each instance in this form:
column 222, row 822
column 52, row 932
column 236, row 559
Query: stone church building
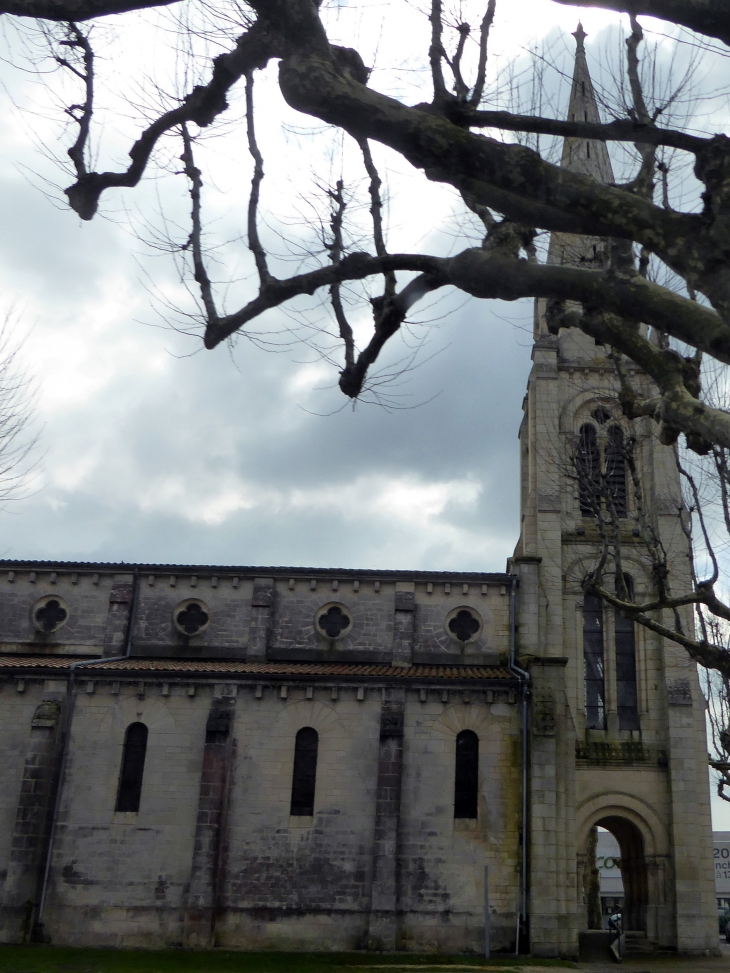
column 287, row 758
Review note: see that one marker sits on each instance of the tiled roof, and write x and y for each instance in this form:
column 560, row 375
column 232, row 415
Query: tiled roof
column 243, row 668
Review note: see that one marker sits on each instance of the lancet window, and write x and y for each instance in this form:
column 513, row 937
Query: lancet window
column 594, row 648
column 304, row 777
column 466, row 777
column 132, row 770
column 593, row 663
column 625, row 641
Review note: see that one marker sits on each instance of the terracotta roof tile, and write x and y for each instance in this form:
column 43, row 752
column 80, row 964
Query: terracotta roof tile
column 243, row 668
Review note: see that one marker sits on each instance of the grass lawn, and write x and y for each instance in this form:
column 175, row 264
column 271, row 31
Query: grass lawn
column 59, row 959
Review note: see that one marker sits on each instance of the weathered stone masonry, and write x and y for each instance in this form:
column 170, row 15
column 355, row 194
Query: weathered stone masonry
column 212, row 856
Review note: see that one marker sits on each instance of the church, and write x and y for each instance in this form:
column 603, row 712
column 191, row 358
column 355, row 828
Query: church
column 301, row 759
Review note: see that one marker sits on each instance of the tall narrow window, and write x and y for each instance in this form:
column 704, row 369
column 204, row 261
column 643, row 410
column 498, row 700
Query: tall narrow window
column 589, row 471
column 130, row 777
column 595, row 689
column 628, row 702
column 616, row 470
column 466, row 778
column 304, row 777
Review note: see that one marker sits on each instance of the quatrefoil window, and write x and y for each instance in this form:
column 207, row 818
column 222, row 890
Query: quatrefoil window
column 333, row 621
column 191, row 617
column 464, row 625
column 49, row 614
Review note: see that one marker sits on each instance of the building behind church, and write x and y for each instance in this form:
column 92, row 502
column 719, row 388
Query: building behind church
column 287, row 758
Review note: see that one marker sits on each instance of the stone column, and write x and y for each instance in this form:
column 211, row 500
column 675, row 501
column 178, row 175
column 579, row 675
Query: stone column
column 203, row 895
column 34, row 819
column 552, row 852
column 262, row 608
column 383, row 931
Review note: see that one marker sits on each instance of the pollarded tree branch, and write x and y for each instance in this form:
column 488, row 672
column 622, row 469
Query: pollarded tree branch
column 509, row 178
column 203, row 104
column 706, row 653
column 711, row 17
column 76, row 10
column 620, row 130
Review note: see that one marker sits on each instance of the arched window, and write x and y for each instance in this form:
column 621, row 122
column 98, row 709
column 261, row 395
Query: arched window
column 616, row 470
column 595, row 688
column 628, row 703
column 589, row 471
column 304, row 777
column 130, row 777
column 466, row 777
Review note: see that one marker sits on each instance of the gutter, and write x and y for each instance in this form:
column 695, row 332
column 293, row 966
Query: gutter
column 524, row 678
column 37, row 928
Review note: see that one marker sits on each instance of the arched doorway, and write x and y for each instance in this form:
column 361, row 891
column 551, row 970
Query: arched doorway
column 632, row 863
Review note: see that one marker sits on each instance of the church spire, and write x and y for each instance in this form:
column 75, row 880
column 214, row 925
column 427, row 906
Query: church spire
column 588, row 156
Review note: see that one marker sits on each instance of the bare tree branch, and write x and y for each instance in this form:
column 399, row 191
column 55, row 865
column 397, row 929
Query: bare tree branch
column 705, row 16
column 487, row 20
column 254, row 243
column 195, row 241
column 253, row 50
column 75, row 10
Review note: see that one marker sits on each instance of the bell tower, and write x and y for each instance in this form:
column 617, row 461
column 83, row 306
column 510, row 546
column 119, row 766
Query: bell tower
column 617, row 736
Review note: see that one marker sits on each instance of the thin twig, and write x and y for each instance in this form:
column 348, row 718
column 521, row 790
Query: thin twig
column 80, row 41
column 487, row 20
column 336, row 248
column 194, row 241
column 254, row 243
column 460, row 86
column 376, row 211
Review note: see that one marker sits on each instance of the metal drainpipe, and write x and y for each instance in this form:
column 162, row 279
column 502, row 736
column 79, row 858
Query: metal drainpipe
column 524, row 678
column 66, row 731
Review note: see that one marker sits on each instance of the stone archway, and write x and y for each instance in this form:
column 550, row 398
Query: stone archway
column 634, row 872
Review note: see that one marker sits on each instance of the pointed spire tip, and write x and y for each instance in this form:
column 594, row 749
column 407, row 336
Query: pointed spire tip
column 580, row 35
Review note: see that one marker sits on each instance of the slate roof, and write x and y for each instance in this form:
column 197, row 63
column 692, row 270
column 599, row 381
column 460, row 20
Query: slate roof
column 201, row 667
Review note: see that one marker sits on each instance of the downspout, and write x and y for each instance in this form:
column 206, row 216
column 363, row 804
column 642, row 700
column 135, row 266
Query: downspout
column 37, row 934
column 524, row 678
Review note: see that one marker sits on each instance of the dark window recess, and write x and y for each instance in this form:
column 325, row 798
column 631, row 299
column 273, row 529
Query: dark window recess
column 595, row 690
column 588, row 149
column 600, row 414
column 588, row 462
column 333, row 622
column 464, row 625
column 583, row 86
column 616, row 470
column 304, row 777
column 192, row 618
column 51, row 615
column 628, row 702
column 130, row 778
column 466, row 778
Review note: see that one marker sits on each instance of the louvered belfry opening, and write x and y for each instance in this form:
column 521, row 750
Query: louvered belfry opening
column 589, row 471
column 616, row 470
